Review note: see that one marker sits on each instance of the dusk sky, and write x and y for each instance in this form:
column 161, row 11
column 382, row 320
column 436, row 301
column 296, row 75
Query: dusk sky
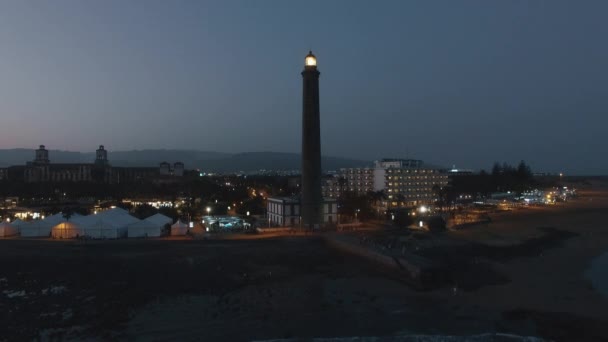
column 449, row 82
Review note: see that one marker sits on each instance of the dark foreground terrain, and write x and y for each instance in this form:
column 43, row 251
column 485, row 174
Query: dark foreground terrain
column 299, row 287
column 231, row 291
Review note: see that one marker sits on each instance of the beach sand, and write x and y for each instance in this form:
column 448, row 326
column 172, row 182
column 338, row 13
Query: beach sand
column 520, row 279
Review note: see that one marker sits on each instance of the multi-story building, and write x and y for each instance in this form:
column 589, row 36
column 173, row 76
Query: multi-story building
column 42, row 170
column 405, row 182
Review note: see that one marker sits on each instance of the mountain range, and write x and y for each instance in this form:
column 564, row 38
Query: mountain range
column 208, row 161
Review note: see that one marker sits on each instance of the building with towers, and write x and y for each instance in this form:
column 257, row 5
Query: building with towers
column 101, row 156
column 41, row 169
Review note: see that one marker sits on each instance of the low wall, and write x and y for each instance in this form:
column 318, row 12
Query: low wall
column 273, row 230
column 420, row 273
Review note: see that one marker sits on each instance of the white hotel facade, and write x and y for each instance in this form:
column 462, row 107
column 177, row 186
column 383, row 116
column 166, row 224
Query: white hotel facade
column 405, row 182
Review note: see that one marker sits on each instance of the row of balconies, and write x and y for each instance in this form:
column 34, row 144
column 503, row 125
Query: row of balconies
column 411, row 190
column 413, row 196
column 418, row 177
column 392, row 170
column 396, row 185
column 351, row 171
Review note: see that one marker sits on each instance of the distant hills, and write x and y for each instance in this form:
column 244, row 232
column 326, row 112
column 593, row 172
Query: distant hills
column 193, row 159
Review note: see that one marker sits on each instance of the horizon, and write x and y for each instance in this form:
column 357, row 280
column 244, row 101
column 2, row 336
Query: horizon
column 466, row 84
column 368, row 161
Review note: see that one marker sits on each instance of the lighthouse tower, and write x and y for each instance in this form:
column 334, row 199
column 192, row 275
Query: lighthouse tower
column 312, row 198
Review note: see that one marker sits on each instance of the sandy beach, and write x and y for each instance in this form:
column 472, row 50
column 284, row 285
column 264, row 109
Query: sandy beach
column 523, row 273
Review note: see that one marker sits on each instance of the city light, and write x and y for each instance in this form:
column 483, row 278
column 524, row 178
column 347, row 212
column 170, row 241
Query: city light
column 208, row 210
column 423, row 209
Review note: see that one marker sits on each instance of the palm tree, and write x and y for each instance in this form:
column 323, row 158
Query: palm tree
column 439, row 195
column 67, row 213
column 400, row 199
column 376, row 198
column 341, row 183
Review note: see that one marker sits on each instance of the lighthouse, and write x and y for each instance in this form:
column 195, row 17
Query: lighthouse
column 312, row 198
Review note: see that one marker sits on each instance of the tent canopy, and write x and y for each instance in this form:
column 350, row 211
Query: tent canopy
column 144, row 228
column 18, row 222
column 160, row 219
column 67, row 230
column 7, row 229
column 179, row 228
column 179, row 224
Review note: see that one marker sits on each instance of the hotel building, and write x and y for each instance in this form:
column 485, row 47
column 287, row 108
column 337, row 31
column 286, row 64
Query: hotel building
column 405, row 182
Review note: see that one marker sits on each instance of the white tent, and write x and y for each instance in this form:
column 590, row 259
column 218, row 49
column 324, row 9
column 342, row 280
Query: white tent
column 67, row 230
column 149, row 227
column 160, row 219
column 18, row 223
column 41, row 228
column 179, row 228
column 144, row 228
column 35, row 229
column 7, row 229
column 109, row 224
column 106, row 229
column 119, row 216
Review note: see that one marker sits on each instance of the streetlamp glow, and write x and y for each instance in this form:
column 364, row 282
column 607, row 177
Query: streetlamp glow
column 208, row 210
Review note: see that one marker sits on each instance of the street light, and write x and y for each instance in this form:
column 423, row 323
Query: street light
column 208, row 210
column 248, row 213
